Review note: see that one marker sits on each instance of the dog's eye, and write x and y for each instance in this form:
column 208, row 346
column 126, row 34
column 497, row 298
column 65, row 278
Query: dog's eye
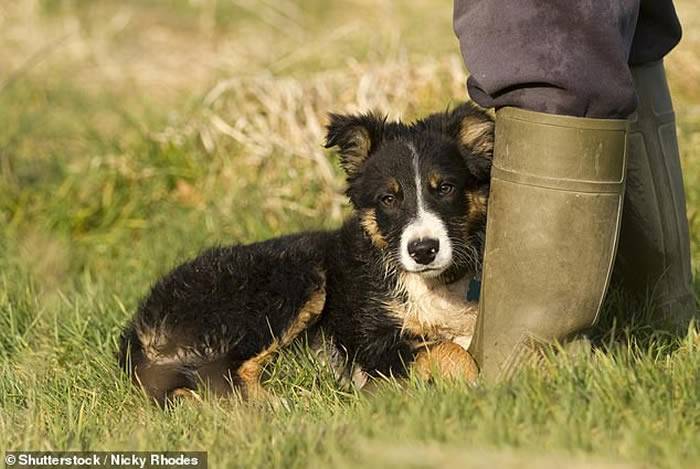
column 387, row 199
column 445, row 188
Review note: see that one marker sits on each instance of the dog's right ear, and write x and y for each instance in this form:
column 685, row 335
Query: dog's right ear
column 356, row 137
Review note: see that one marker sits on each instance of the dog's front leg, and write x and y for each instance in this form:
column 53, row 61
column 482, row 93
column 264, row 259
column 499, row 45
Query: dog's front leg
column 447, row 360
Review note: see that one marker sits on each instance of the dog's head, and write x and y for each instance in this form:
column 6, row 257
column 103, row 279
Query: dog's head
column 419, row 189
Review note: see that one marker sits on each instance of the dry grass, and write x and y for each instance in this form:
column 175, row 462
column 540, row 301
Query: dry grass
column 256, row 98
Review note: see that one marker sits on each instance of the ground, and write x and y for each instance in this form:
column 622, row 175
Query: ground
column 135, row 133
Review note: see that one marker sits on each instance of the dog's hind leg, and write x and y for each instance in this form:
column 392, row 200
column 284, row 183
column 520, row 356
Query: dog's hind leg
column 164, row 382
column 250, row 371
column 185, row 393
column 161, row 378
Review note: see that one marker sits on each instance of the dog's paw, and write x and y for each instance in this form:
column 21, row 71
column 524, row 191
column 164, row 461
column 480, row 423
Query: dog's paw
column 185, row 394
column 446, row 360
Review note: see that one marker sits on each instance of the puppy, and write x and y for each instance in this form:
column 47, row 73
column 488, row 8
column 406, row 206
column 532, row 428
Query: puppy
column 376, row 295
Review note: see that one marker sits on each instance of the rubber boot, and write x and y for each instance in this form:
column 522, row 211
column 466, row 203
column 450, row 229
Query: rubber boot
column 555, row 205
column 654, row 257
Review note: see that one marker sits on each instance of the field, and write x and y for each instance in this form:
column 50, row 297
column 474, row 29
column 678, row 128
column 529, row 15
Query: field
column 134, row 133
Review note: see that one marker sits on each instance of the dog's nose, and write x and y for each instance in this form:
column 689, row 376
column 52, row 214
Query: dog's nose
column 423, row 251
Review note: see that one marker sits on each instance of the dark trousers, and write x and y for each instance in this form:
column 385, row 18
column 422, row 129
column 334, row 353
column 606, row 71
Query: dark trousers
column 567, row 57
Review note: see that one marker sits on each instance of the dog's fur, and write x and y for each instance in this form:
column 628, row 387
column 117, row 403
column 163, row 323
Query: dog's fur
column 390, row 280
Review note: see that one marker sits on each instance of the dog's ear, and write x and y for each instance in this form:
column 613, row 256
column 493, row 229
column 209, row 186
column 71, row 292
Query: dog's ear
column 357, row 136
column 473, row 129
column 475, row 132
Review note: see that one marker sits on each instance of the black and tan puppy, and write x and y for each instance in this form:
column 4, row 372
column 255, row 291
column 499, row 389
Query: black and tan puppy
column 389, row 281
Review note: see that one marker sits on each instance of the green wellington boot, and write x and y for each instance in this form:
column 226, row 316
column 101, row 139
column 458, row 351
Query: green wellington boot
column 653, row 261
column 554, row 214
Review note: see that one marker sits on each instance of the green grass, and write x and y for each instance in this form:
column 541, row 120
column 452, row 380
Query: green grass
column 133, row 134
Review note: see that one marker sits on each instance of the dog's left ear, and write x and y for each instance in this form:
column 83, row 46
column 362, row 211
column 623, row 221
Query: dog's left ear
column 357, row 137
column 476, row 130
column 476, row 135
column 473, row 129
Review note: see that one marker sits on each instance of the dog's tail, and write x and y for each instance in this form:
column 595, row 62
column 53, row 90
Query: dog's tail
column 160, row 381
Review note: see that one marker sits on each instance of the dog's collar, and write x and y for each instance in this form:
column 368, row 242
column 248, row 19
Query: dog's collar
column 474, row 288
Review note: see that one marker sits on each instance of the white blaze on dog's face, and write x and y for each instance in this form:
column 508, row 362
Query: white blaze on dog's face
column 425, row 243
column 413, row 198
column 419, row 190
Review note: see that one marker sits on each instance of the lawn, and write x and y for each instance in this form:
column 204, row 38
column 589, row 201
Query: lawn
column 135, row 133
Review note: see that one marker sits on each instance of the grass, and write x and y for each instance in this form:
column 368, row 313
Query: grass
column 133, row 134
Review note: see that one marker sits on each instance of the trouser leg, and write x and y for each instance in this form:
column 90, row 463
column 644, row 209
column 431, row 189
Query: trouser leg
column 657, row 32
column 559, row 57
column 562, row 57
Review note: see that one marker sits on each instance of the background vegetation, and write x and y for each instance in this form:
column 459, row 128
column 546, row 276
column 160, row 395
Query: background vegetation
column 134, row 133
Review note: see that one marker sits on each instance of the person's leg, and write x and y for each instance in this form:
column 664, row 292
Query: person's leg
column 559, row 164
column 559, row 57
column 657, row 32
column 653, row 261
